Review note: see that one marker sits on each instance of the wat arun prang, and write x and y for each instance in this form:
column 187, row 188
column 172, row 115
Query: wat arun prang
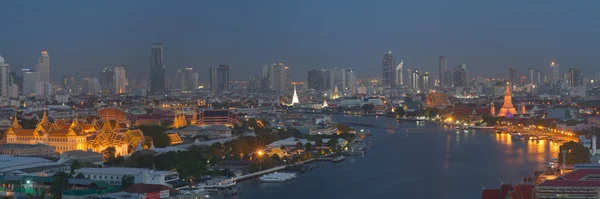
column 507, row 110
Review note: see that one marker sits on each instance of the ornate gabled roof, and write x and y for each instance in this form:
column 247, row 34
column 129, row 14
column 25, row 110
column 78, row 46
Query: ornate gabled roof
column 45, row 120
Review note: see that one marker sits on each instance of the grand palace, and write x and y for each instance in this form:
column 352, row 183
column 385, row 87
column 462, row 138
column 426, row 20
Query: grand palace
column 109, row 129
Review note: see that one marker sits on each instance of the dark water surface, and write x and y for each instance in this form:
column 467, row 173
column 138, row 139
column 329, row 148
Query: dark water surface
column 428, row 162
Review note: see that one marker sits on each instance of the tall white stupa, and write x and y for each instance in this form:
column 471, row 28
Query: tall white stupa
column 295, row 98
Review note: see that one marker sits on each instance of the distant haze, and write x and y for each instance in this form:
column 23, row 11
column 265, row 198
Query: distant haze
column 82, row 37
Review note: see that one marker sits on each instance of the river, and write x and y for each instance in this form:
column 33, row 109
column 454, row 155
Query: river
column 427, row 162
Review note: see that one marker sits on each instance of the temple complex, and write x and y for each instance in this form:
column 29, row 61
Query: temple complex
column 109, row 129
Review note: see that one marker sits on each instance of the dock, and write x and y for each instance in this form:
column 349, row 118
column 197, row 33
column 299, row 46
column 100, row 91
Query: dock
column 279, row 168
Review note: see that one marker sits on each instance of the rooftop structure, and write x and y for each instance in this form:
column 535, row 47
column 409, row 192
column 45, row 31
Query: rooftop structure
column 113, row 175
column 28, row 150
column 507, row 110
column 217, row 117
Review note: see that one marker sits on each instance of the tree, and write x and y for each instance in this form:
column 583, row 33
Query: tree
column 319, row 142
column 332, row 144
column 576, row 153
column 60, row 183
column 75, row 165
column 80, row 176
column 156, row 133
column 299, row 146
column 127, row 180
column 109, row 153
column 275, row 157
column 308, row 146
column 367, row 108
column 400, row 112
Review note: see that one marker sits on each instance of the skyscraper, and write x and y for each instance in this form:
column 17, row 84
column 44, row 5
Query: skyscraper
column 30, row 78
column 277, row 76
column 539, row 77
column 189, row 79
column 575, row 77
column 531, row 76
column 157, row 76
column 4, row 78
column 107, row 80
column 442, row 68
column 219, row 78
column 319, row 79
column 399, row 75
column 349, row 82
column 120, row 80
column 554, row 72
column 43, row 66
column 388, row 75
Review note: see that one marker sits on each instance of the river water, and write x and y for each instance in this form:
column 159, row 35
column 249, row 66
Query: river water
column 427, row 162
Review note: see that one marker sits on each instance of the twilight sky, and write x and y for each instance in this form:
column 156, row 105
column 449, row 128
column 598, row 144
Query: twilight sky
column 82, row 37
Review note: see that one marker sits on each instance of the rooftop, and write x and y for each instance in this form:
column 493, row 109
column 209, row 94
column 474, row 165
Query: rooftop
column 8, row 161
column 570, row 183
column 20, row 146
column 580, row 174
column 118, row 170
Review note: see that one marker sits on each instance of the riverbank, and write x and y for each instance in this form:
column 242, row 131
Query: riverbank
column 279, row 168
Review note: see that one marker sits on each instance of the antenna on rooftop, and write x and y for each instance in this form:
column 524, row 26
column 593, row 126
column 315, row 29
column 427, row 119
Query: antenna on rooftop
column 500, row 181
column 481, row 184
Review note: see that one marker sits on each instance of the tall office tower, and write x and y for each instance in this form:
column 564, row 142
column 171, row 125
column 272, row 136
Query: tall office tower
column 195, row 80
column 554, row 72
column 409, row 78
column 399, row 75
column 425, row 82
column 464, row 75
column 157, row 76
column 448, row 78
column 575, row 77
column 337, row 78
column 120, row 80
column 539, row 77
column 442, row 68
column 107, row 80
column 545, row 77
column 319, row 80
column 416, row 80
column 43, row 66
column 30, row 78
column 349, row 82
column 388, row 69
column 277, row 77
column 189, row 79
column 4, row 78
column 512, row 75
column 219, row 78
column 531, row 76
column 179, row 81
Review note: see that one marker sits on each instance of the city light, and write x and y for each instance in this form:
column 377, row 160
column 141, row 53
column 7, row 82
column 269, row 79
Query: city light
column 260, row 153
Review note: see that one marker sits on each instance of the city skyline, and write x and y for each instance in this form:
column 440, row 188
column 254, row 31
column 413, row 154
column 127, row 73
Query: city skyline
column 472, row 42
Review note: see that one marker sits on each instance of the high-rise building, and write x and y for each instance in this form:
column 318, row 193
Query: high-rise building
column 189, row 79
column 107, row 80
column 4, row 78
column 575, row 77
column 195, row 80
column 425, row 82
column 448, row 78
column 554, row 71
column 512, row 75
column 157, row 76
column 388, row 67
column 415, row 80
column 30, row 78
column 179, row 80
column 465, row 74
column 275, row 77
column 349, row 82
column 539, row 77
column 219, row 78
column 531, row 76
column 399, row 75
column 43, row 66
column 319, row 79
column 120, row 80
column 545, row 77
column 442, row 70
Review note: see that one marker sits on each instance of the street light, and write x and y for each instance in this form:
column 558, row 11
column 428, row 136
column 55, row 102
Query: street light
column 260, row 152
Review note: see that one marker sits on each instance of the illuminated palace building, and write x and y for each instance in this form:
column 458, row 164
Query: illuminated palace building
column 109, row 129
column 206, row 118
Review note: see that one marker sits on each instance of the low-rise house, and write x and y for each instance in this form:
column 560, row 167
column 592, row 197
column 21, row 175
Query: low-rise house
column 84, row 157
column 39, row 150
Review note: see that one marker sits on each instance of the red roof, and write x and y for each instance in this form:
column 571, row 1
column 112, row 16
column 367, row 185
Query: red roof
column 570, row 183
column 504, row 190
column 522, row 191
column 579, row 174
column 490, row 194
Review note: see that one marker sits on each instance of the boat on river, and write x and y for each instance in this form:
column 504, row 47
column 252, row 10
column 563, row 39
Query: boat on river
column 277, row 177
column 338, row 159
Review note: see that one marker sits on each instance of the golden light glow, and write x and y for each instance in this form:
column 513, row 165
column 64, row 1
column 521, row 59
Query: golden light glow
column 260, row 153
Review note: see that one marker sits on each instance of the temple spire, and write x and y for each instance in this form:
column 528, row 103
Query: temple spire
column 295, row 98
column 45, row 120
column 15, row 124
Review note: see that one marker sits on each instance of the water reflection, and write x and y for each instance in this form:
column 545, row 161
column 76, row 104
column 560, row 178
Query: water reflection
column 537, row 151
